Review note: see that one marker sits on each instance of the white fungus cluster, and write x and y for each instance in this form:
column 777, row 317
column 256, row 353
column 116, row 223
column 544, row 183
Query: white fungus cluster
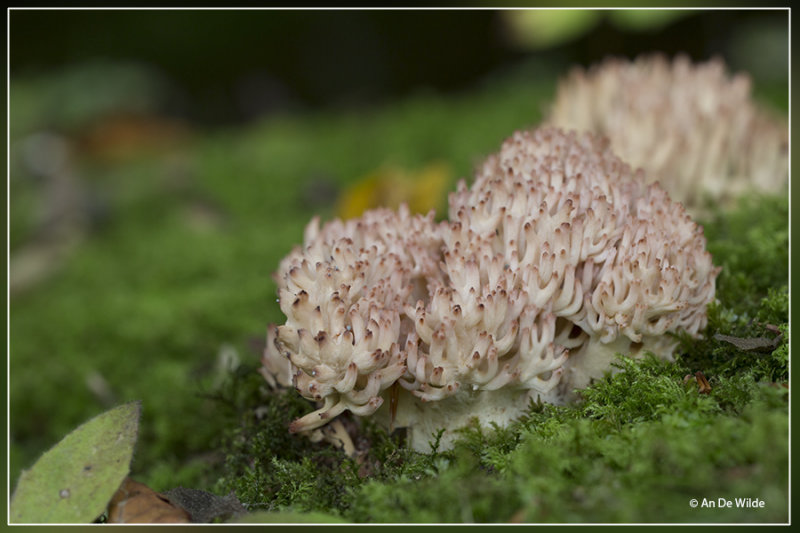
column 693, row 127
column 556, row 258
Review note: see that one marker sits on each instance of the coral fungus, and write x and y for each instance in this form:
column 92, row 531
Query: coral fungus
column 556, row 258
column 693, row 127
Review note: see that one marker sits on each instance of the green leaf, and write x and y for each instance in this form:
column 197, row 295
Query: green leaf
column 537, row 29
column 643, row 20
column 74, row 481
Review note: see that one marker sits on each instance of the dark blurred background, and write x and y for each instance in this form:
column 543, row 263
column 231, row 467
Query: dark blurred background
column 222, row 67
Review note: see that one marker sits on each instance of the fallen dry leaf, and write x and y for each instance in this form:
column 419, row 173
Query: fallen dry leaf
column 703, row 386
column 518, row 517
column 753, row 344
column 120, row 137
column 204, row 507
column 136, row 503
column 702, row 383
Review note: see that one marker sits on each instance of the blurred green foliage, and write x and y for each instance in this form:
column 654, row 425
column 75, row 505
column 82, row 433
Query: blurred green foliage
column 546, row 28
column 59, row 99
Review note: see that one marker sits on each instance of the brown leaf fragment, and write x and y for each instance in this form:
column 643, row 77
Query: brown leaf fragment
column 136, row 503
column 205, row 507
column 518, row 517
column 703, row 386
column 752, row 344
column 777, row 385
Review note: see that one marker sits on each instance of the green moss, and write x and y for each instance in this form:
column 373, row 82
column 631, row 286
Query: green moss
column 268, row 467
column 751, row 244
column 639, row 446
column 649, row 471
column 642, row 391
column 717, row 357
column 454, row 495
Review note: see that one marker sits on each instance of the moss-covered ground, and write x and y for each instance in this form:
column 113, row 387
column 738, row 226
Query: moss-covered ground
column 166, row 296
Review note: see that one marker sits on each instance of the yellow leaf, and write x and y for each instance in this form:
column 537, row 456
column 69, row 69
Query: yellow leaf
column 389, row 186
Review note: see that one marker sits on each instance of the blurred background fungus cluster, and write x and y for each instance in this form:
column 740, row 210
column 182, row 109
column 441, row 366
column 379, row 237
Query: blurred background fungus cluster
column 163, row 161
